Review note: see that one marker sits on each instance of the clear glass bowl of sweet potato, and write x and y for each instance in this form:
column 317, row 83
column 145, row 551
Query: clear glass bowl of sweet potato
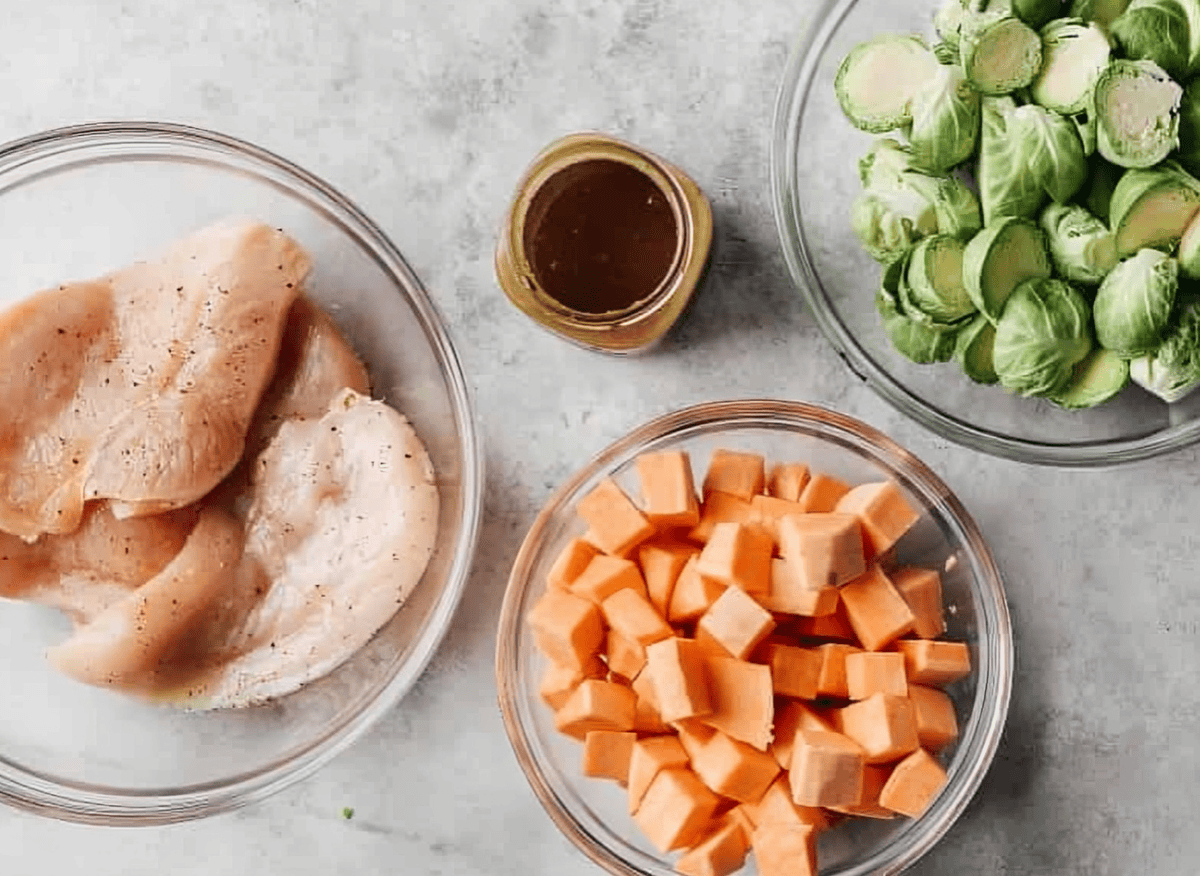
column 756, row 637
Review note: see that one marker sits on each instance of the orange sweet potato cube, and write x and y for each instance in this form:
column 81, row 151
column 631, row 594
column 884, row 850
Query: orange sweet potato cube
column 874, row 778
column 884, row 726
column 934, row 661
column 922, row 590
column 738, row 554
column 720, row 853
column 646, row 719
column 824, row 550
column 630, row 613
column 643, row 686
column 615, row 525
column 596, row 705
column 872, row 672
column 937, row 724
column 570, row 563
column 661, row 563
column 558, row 681
column 734, row 769
column 789, row 593
column 717, row 508
column 567, row 629
column 606, row 754
column 882, row 510
column 692, row 735
column 736, row 473
column 647, row 758
column 789, row 718
column 777, row 806
column 675, row 809
column 822, row 492
column 693, row 593
column 668, row 492
column 624, row 656
column 831, row 680
column 605, row 575
column 914, row 784
column 736, row 623
column 782, row 849
column 743, row 703
column 787, row 480
column 827, row 627
column 767, row 511
column 876, row 611
column 794, row 670
column 678, row 673
column 827, row 769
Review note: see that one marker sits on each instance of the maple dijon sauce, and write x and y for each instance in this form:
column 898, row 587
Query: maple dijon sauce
column 600, row 236
column 604, row 243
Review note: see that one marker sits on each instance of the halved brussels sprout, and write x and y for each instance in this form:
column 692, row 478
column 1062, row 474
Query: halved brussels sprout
column 876, row 81
column 1173, row 370
column 1134, row 303
column 1081, row 246
column 999, row 52
column 1074, row 53
column 1137, row 113
column 1152, row 206
column 973, row 350
column 1005, row 188
column 1099, row 376
column 1041, row 336
column 945, row 120
column 1052, row 152
column 1001, row 257
column 889, row 221
column 913, row 340
column 935, row 291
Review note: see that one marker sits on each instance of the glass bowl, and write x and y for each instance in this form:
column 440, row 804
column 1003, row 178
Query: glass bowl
column 75, row 202
column 591, row 812
column 814, row 175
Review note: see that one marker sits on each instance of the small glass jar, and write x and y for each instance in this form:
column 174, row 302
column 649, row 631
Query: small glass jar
column 591, row 171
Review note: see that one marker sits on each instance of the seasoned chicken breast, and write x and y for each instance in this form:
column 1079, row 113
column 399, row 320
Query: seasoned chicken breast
column 139, row 387
column 342, row 522
column 315, row 363
column 85, row 571
column 127, row 644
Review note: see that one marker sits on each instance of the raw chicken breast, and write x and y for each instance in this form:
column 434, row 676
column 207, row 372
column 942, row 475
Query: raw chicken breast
column 342, row 522
column 139, row 387
column 128, row 643
column 315, row 364
column 85, row 571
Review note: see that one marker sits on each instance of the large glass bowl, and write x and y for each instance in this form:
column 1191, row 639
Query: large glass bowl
column 593, row 813
column 814, row 173
column 78, row 201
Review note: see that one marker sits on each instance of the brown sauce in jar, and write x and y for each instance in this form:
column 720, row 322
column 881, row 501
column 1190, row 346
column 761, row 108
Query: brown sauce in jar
column 600, row 236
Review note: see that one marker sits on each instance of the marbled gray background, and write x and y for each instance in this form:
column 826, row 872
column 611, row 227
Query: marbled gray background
column 425, row 113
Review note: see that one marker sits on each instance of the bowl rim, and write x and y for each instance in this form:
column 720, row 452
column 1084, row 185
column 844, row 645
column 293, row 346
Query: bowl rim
column 995, row 679
column 30, row 791
column 797, row 82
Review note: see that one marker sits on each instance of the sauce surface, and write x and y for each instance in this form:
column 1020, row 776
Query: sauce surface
column 600, row 236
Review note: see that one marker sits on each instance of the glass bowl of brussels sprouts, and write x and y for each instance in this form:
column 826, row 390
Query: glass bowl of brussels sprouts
column 992, row 208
